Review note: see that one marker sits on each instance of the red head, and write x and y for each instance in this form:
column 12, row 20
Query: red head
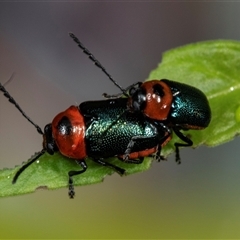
column 153, row 98
column 66, row 134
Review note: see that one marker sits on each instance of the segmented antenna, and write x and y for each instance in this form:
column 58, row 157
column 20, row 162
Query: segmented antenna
column 96, row 62
column 11, row 100
column 20, row 170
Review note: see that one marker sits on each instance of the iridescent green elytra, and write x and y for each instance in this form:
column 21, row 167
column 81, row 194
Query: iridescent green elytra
column 110, row 128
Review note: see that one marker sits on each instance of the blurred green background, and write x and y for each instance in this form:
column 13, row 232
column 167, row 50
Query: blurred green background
column 197, row 199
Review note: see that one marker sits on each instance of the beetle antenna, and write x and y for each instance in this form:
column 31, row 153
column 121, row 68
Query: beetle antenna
column 10, row 79
column 11, row 100
column 96, row 62
column 20, row 170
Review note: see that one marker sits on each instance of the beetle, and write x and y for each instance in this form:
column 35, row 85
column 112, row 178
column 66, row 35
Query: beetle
column 176, row 105
column 97, row 129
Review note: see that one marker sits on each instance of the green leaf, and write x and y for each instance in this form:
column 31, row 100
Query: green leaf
column 51, row 172
column 213, row 67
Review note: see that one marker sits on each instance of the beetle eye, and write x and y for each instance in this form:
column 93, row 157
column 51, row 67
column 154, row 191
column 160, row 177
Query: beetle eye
column 158, row 89
column 132, row 90
column 135, row 87
column 49, row 143
column 139, row 99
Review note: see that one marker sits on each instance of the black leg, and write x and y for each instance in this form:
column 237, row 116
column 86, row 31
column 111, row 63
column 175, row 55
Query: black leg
column 71, row 191
column 106, row 164
column 129, row 149
column 134, row 161
column 188, row 143
column 20, row 170
column 131, row 145
column 157, row 156
column 135, row 139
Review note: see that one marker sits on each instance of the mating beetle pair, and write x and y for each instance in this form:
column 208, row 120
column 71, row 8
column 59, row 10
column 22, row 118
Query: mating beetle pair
column 130, row 127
